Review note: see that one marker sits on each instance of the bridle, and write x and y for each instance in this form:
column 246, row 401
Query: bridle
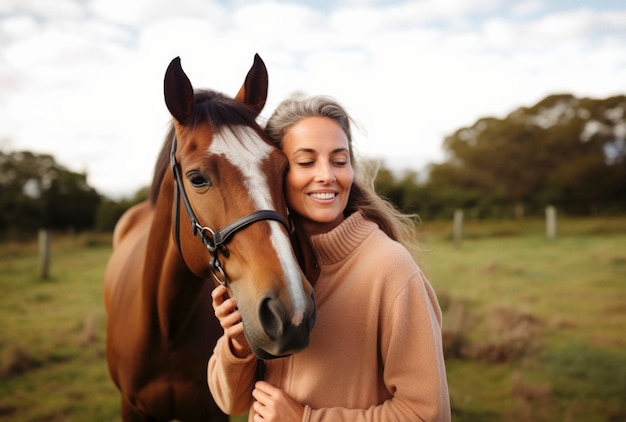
column 214, row 241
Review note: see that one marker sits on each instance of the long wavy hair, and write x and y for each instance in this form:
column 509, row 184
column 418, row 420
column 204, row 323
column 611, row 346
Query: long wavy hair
column 363, row 197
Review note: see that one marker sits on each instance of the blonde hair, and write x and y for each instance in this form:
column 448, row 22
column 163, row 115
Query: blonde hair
column 363, row 196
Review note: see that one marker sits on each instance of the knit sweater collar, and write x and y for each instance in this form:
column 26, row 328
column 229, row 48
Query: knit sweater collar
column 335, row 245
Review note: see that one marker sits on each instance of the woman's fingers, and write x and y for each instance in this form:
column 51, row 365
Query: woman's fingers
column 219, row 295
column 223, row 305
column 229, row 317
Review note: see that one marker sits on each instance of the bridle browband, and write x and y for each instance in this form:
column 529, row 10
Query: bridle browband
column 214, row 241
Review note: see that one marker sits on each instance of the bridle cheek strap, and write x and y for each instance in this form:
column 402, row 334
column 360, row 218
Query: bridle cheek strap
column 214, row 241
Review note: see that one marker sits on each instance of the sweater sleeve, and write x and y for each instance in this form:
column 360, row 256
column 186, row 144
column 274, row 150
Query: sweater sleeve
column 412, row 357
column 231, row 379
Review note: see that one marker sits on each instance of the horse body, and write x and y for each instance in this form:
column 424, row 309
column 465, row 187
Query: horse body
column 161, row 329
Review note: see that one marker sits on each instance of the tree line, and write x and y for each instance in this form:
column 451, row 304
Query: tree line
column 36, row 192
column 564, row 151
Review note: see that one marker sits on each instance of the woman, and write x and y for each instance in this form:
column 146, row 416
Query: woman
column 375, row 352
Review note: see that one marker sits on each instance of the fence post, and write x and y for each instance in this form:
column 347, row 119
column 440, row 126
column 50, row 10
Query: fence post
column 458, row 226
column 519, row 211
column 551, row 222
column 44, row 253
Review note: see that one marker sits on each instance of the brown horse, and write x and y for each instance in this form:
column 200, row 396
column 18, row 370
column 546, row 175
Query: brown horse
column 219, row 214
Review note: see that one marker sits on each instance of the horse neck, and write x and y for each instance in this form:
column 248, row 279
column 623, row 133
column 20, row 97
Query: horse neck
column 170, row 289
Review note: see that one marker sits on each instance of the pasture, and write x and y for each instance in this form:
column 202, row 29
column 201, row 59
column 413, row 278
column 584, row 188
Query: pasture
column 534, row 329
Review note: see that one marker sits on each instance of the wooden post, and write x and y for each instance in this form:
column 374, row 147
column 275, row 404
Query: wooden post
column 458, row 226
column 44, row 253
column 519, row 211
column 551, row 222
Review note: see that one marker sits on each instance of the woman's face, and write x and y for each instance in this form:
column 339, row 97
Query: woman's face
column 320, row 173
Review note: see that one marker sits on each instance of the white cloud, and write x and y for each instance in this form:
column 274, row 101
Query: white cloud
column 83, row 80
column 526, row 8
column 43, row 9
column 16, row 27
column 138, row 13
column 435, row 10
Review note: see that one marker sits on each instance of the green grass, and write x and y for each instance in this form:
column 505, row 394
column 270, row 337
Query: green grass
column 554, row 310
column 538, row 324
column 52, row 353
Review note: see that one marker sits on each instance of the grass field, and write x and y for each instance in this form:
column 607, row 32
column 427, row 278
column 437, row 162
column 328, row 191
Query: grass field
column 52, row 352
column 534, row 329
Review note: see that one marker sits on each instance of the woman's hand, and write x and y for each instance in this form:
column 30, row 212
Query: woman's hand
column 229, row 316
column 273, row 404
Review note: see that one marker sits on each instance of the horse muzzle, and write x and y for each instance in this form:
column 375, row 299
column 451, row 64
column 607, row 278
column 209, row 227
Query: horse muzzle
column 279, row 332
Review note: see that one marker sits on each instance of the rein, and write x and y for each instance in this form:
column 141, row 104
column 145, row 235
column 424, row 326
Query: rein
column 214, row 241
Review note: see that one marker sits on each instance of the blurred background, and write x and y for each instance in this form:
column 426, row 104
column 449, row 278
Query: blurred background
column 501, row 124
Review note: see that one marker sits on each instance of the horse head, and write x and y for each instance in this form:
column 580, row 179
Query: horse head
column 228, row 179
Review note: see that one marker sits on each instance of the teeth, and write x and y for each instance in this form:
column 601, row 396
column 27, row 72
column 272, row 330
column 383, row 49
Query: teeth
column 325, row 195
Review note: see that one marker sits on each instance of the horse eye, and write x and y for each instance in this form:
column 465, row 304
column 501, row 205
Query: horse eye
column 198, row 180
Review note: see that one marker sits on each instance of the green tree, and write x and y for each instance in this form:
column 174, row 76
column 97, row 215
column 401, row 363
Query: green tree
column 386, row 185
column 110, row 211
column 37, row 192
column 565, row 150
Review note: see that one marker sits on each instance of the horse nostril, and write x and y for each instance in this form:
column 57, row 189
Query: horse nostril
column 272, row 317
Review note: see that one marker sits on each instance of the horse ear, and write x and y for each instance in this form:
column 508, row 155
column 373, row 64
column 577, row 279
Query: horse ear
column 253, row 92
column 178, row 91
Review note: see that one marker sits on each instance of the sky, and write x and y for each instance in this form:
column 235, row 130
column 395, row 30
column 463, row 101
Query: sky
column 83, row 79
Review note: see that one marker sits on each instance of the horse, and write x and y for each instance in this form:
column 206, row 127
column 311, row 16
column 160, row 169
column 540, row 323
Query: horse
column 216, row 213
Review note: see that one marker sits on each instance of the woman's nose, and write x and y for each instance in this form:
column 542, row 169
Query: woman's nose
column 325, row 174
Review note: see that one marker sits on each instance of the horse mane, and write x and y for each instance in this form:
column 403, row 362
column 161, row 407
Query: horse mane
column 213, row 108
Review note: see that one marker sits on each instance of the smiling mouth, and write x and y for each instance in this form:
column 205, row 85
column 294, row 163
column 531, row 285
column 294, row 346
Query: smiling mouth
column 324, row 195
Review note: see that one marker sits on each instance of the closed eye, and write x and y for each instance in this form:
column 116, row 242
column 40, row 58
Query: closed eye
column 198, row 179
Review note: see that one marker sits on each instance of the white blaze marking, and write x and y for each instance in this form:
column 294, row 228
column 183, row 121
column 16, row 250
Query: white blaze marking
column 247, row 153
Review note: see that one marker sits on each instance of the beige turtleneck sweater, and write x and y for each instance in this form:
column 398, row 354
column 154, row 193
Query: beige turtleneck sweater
column 375, row 352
